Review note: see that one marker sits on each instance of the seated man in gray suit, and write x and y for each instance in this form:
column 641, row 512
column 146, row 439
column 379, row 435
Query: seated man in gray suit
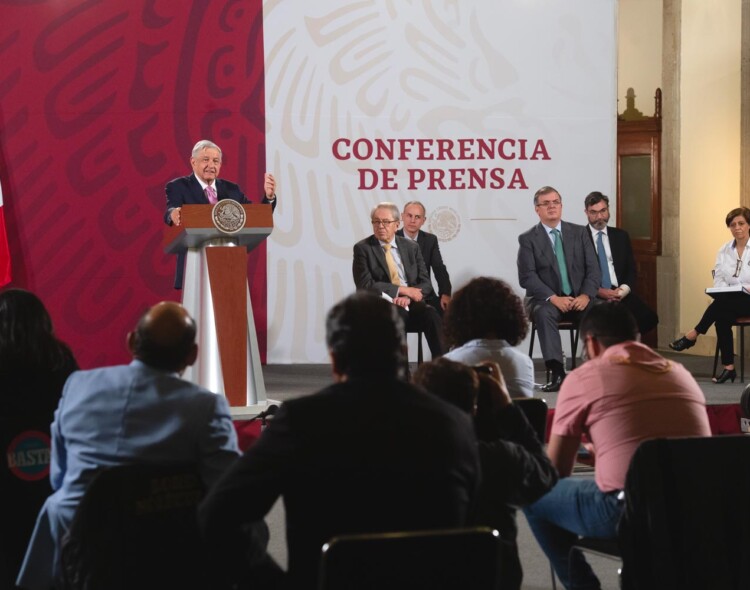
column 414, row 216
column 558, row 268
column 389, row 264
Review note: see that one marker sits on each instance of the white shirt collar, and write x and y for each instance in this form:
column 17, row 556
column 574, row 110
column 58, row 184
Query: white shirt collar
column 203, row 184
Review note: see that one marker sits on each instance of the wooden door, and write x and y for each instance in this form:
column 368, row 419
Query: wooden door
column 639, row 193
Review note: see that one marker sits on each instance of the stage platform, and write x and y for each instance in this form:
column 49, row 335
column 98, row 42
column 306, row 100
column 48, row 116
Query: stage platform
column 287, row 381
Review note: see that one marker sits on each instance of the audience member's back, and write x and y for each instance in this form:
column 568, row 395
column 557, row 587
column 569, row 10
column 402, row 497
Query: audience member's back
column 33, row 368
column 369, row 453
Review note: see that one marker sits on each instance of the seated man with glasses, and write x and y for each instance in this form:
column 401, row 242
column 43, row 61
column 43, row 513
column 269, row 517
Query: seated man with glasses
column 393, row 266
column 558, row 268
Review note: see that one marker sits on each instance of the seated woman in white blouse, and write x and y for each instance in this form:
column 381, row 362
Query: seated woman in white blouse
column 484, row 321
column 732, row 268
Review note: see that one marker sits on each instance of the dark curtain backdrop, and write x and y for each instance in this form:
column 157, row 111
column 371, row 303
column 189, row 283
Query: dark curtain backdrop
column 101, row 102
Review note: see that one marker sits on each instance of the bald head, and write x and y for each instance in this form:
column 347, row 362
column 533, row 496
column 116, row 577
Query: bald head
column 164, row 337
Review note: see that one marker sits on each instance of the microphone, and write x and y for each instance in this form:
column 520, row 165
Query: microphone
column 267, row 413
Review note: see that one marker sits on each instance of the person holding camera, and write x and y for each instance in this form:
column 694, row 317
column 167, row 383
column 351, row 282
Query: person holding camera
column 515, row 469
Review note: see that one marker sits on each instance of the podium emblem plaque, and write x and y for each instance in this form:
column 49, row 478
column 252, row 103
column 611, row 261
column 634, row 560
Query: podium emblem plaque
column 228, row 216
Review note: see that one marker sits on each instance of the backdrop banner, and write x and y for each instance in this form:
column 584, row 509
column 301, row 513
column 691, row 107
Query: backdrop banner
column 468, row 107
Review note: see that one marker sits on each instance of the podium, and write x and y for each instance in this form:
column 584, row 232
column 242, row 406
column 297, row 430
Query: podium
column 217, row 239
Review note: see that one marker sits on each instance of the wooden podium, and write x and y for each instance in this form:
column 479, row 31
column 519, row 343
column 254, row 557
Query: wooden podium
column 216, row 294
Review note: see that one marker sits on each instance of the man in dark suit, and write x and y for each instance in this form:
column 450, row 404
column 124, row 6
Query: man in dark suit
column 414, row 217
column 204, row 186
column 616, row 262
column 558, row 268
column 369, row 453
column 392, row 265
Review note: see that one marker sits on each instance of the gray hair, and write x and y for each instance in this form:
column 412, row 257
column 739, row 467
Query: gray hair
column 387, row 205
column 418, row 204
column 205, row 144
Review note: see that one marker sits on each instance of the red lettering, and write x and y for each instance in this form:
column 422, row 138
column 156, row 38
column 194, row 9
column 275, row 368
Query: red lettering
column 335, row 148
column 540, row 149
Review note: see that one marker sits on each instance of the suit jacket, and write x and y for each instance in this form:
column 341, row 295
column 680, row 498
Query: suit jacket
column 428, row 245
column 622, row 255
column 538, row 272
column 186, row 190
column 371, row 271
column 371, row 454
column 118, row 415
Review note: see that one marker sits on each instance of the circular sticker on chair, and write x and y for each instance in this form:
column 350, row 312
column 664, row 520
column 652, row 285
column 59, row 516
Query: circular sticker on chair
column 228, row 216
column 445, row 223
column 28, row 455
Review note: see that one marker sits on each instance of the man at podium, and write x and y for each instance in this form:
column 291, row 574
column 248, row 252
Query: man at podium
column 204, row 187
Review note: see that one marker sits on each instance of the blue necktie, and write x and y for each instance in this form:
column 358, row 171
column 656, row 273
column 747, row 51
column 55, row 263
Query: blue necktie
column 560, row 255
column 603, row 265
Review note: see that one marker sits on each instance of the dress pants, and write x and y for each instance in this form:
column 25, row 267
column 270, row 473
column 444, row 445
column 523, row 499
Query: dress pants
column 425, row 318
column 546, row 316
column 723, row 311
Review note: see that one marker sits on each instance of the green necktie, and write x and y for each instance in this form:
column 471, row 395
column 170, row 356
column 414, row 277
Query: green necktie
column 560, row 255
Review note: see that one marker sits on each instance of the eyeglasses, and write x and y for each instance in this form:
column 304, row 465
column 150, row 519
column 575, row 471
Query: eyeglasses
column 738, row 268
column 383, row 222
column 548, row 204
column 601, row 213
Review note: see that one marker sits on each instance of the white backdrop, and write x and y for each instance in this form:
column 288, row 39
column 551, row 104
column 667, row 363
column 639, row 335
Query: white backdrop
column 535, row 79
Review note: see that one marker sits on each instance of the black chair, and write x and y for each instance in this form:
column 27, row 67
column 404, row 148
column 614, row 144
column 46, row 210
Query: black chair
column 438, row 560
column 686, row 522
column 135, row 528
column 572, row 327
column 740, row 322
column 419, row 333
column 24, row 483
column 536, row 411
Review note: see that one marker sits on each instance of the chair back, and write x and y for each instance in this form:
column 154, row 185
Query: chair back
column 24, row 484
column 136, row 528
column 686, row 522
column 536, row 411
column 439, row 559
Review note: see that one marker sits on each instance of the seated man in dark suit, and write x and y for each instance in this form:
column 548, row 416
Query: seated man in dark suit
column 204, row 187
column 390, row 264
column 557, row 266
column 414, row 216
column 616, row 262
column 370, row 453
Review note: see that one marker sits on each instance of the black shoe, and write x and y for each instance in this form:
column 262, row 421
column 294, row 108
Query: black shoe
column 554, row 384
column 725, row 376
column 682, row 344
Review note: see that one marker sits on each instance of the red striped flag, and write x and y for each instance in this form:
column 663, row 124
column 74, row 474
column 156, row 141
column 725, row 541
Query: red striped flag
column 4, row 251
